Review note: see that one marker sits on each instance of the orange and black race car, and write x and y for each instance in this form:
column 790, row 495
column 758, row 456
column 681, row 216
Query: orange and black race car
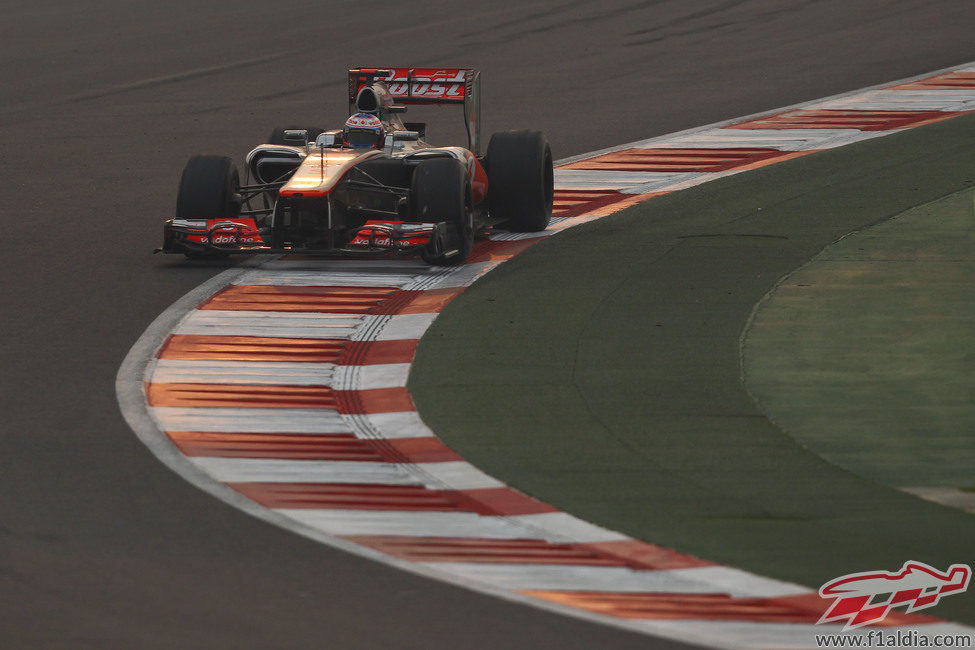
column 374, row 186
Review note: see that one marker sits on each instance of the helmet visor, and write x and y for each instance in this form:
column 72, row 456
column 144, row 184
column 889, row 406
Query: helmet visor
column 358, row 138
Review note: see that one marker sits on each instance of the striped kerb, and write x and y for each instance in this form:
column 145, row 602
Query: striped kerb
column 277, row 445
column 501, row 501
column 240, row 396
column 311, row 447
column 250, row 348
column 844, row 119
column 495, row 251
column 334, row 300
column 948, row 81
column 377, row 400
column 580, row 203
column 677, row 160
column 635, row 555
column 256, row 348
column 689, row 606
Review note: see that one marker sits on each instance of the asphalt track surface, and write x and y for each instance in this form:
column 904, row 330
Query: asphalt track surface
column 103, row 547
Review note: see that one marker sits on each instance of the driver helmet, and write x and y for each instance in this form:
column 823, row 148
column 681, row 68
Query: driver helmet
column 363, row 131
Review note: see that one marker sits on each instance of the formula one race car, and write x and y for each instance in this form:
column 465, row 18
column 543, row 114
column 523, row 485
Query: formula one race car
column 374, row 186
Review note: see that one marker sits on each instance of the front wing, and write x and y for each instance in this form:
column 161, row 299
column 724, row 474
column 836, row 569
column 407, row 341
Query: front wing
column 209, row 237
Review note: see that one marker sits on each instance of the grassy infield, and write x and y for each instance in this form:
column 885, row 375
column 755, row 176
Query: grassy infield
column 600, row 371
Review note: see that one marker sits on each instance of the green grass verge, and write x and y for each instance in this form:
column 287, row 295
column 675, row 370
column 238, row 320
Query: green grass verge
column 867, row 354
column 599, row 370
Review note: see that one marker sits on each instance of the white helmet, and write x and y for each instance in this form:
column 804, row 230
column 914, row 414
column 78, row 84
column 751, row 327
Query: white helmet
column 363, row 131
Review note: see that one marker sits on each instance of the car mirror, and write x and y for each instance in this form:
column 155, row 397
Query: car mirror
column 325, row 140
column 296, row 137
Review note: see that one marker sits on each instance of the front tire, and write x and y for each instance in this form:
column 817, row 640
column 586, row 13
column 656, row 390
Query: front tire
column 208, row 189
column 520, row 180
column 441, row 192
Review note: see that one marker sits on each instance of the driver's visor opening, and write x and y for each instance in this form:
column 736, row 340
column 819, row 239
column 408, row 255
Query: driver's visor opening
column 362, row 138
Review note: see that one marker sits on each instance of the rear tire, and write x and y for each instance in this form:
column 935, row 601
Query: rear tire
column 208, row 189
column 520, row 180
column 277, row 135
column 441, row 192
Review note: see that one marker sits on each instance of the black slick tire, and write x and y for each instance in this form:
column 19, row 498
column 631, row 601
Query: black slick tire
column 208, row 189
column 441, row 192
column 520, row 180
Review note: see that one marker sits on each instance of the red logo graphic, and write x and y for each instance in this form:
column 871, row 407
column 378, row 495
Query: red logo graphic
column 864, row 598
column 428, row 83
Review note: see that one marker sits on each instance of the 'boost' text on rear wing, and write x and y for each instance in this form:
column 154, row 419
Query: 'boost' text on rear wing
column 428, row 86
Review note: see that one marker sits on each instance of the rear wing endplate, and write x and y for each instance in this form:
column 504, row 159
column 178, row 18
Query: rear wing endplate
column 460, row 86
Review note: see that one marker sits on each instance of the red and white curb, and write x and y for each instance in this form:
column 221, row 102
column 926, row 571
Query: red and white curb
column 280, row 387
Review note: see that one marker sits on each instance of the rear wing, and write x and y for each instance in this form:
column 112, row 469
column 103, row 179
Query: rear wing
column 459, row 86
